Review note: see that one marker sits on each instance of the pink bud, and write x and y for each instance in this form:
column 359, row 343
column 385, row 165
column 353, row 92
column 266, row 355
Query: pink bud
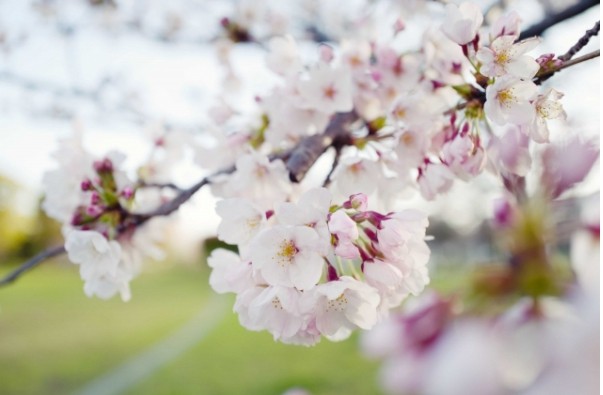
column 127, row 192
column 86, row 185
column 357, row 201
column 94, row 211
column 76, row 219
column 95, row 198
column 103, row 166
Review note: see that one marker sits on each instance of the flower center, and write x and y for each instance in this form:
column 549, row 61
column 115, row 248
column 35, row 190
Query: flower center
column 276, row 303
column 329, row 92
column 506, row 97
column 286, row 252
column 338, row 304
column 502, row 57
column 407, row 139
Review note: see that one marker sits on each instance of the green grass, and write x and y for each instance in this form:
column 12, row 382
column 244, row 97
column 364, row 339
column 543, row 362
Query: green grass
column 233, row 360
column 53, row 340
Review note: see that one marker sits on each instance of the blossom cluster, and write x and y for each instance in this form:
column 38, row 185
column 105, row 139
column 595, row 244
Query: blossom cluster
column 546, row 349
column 468, row 101
column 462, row 104
column 315, row 268
column 94, row 200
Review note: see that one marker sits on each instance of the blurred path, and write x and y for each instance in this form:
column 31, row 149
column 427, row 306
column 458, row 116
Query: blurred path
column 144, row 364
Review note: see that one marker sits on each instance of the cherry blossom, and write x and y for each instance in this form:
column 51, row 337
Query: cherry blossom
column 327, row 89
column 344, row 305
column 462, row 22
column 547, row 107
column 290, row 256
column 505, row 57
column 509, row 100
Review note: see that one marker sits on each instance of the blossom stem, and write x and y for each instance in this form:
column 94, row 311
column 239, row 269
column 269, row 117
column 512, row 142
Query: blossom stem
column 543, row 77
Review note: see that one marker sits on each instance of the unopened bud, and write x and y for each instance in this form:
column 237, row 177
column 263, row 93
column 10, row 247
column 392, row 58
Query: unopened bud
column 103, row 166
column 94, row 211
column 95, row 198
column 86, row 185
column 127, row 193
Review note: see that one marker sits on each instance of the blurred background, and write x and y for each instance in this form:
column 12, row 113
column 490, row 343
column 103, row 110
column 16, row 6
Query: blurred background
column 121, row 70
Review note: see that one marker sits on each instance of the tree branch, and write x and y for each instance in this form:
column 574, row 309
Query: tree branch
column 298, row 161
column 552, row 20
column 311, row 148
column 581, row 42
column 30, row 264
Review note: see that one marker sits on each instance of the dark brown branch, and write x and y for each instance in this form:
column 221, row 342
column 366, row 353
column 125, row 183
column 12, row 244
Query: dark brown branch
column 552, row 20
column 581, row 42
column 30, row 264
column 311, row 148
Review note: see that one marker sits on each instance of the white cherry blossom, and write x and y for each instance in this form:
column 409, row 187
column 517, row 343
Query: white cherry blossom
column 504, row 56
column 547, row 107
column 241, row 220
column 354, row 173
column 328, row 89
column 229, row 273
column 509, row 100
column 283, row 56
column 342, row 306
column 434, row 179
column 277, row 309
column 291, row 256
column 462, row 22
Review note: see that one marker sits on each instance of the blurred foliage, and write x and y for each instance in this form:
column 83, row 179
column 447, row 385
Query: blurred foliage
column 21, row 235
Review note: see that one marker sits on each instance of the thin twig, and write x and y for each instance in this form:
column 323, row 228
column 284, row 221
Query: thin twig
column 581, row 42
column 30, row 264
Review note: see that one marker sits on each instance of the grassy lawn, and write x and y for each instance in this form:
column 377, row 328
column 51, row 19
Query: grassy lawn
column 233, row 360
column 53, row 340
